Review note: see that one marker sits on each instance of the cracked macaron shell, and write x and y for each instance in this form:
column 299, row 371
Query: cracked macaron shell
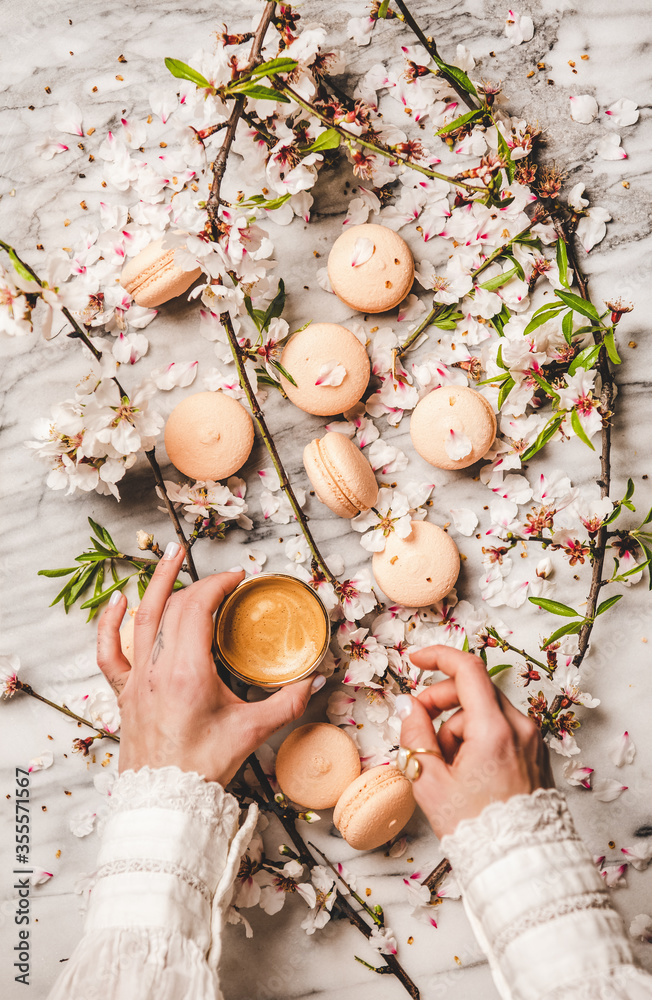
column 458, row 408
column 209, row 436
column 153, row 278
column 315, row 763
column 382, row 281
column 303, row 357
column 340, row 474
column 418, row 570
column 374, row 808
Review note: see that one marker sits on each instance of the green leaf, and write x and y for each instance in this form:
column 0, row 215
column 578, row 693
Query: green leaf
column 279, row 367
column 554, row 607
column 459, row 122
column 62, row 593
column 506, row 153
column 505, row 390
column 609, row 603
column 99, row 583
column 562, row 262
column 19, row 267
column 576, row 424
column 269, row 204
column 541, row 382
column 578, row 304
column 330, row 139
column 184, row 72
column 501, row 279
column 495, row 379
column 257, row 315
column 83, row 582
column 58, row 572
column 280, row 65
column 102, row 534
column 89, row 557
column 94, row 602
column 585, row 359
column 609, row 341
column 629, row 490
column 647, row 519
column 648, row 553
column 382, row 10
column 567, row 327
column 257, row 92
column 276, row 306
column 546, row 434
column 571, row 629
column 456, row 74
column 498, row 321
column 540, row 317
column 498, row 669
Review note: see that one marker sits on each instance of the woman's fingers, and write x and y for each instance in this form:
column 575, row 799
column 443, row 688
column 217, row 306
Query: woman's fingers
column 417, row 733
column 110, row 658
column 152, row 606
column 451, row 735
column 476, row 691
column 439, row 697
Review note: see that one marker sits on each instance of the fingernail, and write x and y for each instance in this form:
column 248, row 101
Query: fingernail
column 171, row 550
column 236, row 569
column 317, row 684
column 404, row 705
column 114, row 598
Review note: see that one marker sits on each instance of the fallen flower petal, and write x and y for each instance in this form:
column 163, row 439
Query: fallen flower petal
column 641, row 927
column 362, row 251
column 584, row 108
column 457, row 445
column 331, row 373
column 609, row 148
column 464, row 520
column 576, row 774
column 68, row 118
column 41, row 763
column 607, row 789
column 623, row 750
column 623, row 112
column 519, row 28
column 82, row 823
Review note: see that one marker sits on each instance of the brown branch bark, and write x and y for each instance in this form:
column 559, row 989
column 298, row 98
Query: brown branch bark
column 28, row 689
column 219, row 164
column 261, row 423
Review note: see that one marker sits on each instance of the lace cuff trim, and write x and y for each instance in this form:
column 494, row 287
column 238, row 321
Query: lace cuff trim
column 544, row 914
column 172, row 788
column 524, row 820
column 128, row 866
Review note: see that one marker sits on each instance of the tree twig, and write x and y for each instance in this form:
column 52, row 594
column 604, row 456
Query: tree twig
column 219, row 163
column 261, row 423
column 28, row 689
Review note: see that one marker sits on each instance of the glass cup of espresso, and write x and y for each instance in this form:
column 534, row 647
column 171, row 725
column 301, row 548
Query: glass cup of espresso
column 272, row 630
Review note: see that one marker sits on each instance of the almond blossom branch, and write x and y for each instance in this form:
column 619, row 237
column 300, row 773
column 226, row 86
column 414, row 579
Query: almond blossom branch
column 287, row 819
column 219, row 164
column 430, row 317
column 607, row 396
column 28, row 689
column 259, row 417
column 374, row 147
column 374, row 913
column 431, row 48
column 80, row 334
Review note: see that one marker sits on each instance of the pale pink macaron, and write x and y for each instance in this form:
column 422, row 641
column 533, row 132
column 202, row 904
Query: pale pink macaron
column 418, row 570
column 453, row 427
column 371, row 268
column 209, row 436
column 374, row 807
column 340, row 474
column 153, row 278
column 330, row 367
column 315, row 763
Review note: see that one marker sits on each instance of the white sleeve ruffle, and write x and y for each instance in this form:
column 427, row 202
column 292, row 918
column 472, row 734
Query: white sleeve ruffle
column 538, row 906
column 170, row 853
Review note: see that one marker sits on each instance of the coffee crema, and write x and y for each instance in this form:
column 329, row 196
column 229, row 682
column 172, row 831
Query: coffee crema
column 272, row 629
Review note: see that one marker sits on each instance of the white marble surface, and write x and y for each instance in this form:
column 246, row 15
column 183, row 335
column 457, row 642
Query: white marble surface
column 41, row 50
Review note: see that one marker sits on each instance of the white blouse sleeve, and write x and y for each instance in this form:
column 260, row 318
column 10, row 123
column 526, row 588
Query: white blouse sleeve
column 538, row 906
column 170, row 853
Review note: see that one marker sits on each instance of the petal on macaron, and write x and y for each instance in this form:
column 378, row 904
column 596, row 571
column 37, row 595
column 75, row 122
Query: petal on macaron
column 331, row 373
column 362, row 251
column 457, row 445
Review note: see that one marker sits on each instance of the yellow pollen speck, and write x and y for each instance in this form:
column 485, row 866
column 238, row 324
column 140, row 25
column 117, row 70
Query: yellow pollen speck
column 458, row 961
column 626, row 185
column 632, row 343
column 58, row 853
column 367, row 892
column 410, row 940
column 118, row 77
column 530, row 74
column 91, row 130
column 584, row 56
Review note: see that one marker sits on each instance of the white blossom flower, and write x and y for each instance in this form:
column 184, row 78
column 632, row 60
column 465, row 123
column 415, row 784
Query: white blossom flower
column 576, row 773
column 325, row 895
column 641, row 927
column 391, row 513
column 365, row 656
column 383, row 940
column 592, row 228
column 578, row 395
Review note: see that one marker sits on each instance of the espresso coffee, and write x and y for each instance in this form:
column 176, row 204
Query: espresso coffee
column 271, row 630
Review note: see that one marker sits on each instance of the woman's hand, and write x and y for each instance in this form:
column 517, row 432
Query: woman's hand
column 174, row 708
column 487, row 751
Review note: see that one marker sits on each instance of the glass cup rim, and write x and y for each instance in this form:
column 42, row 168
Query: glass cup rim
column 247, row 583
